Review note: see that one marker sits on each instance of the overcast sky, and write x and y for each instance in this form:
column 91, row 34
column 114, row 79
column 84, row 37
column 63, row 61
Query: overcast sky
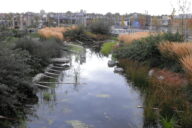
column 154, row 7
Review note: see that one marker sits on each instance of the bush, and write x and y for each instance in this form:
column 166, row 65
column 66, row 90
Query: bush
column 76, row 34
column 100, row 27
column 40, row 51
column 15, row 87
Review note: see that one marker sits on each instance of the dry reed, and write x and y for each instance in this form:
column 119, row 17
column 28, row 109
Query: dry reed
column 56, row 32
column 175, row 49
column 180, row 51
column 186, row 62
column 128, row 38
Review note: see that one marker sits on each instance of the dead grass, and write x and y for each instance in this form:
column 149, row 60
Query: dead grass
column 186, row 62
column 128, row 38
column 169, row 78
column 54, row 32
column 180, row 51
column 175, row 49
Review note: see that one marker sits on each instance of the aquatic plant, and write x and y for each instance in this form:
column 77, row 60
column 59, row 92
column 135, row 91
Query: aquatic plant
column 77, row 124
column 131, row 68
column 47, row 96
column 168, row 123
column 162, row 99
column 107, row 47
column 76, row 48
column 103, row 96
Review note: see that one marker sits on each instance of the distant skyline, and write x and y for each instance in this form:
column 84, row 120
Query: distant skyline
column 153, row 7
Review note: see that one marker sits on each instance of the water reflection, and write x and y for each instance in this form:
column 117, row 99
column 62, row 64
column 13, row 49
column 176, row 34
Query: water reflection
column 95, row 97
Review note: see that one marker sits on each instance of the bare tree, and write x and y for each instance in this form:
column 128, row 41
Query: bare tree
column 184, row 8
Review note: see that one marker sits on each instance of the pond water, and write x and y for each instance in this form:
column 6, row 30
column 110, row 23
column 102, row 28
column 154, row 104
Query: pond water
column 90, row 95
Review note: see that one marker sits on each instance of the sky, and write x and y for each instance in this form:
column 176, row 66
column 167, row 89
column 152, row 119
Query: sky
column 153, row 7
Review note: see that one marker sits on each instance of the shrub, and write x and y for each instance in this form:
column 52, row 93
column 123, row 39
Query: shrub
column 40, row 51
column 146, row 50
column 100, row 27
column 107, row 47
column 76, row 34
column 15, row 87
column 173, row 37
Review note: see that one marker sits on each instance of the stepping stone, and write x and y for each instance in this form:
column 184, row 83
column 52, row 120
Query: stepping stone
column 60, row 60
column 38, row 77
column 118, row 70
column 112, row 63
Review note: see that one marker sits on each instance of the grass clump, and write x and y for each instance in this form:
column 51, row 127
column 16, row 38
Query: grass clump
column 175, row 49
column 47, row 96
column 180, row 52
column 54, row 32
column 168, row 123
column 140, row 78
column 107, row 47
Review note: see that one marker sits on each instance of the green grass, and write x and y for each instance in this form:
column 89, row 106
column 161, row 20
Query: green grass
column 168, row 123
column 47, row 96
column 76, row 48
column 107, row 47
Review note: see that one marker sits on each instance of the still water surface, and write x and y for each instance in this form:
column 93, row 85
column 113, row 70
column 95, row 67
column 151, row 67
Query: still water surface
column 99, row 98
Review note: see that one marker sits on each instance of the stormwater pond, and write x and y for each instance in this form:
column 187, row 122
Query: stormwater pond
column 89, row 94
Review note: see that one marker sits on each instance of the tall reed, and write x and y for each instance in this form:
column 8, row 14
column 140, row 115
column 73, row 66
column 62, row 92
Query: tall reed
column 54, row 32
column 175, row 49
column 128, row 38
